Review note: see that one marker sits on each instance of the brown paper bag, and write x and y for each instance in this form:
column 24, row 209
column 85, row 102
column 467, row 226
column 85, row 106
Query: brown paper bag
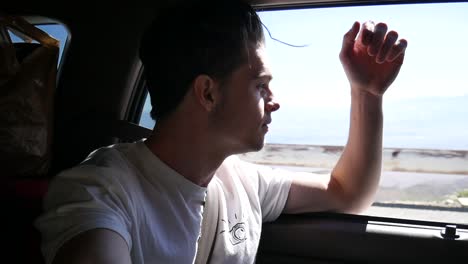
column 27, row 84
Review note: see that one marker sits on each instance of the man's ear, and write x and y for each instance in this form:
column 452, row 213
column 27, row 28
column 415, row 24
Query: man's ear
column 206, row 91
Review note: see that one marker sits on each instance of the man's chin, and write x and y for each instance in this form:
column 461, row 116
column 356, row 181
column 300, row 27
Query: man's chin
column 252, row 145
column 258, row 146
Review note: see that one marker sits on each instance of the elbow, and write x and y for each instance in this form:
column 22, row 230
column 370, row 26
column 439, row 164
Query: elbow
column 352, row 200
column 356, row 205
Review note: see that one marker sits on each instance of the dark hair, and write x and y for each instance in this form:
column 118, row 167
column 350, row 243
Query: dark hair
column 206, row 37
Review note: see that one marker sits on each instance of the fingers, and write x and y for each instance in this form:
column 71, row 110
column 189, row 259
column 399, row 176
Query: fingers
column 397, row 52
column 348, row 42
column 384, row 46
column 365, row 36
column 377, row 39
column 350, row 36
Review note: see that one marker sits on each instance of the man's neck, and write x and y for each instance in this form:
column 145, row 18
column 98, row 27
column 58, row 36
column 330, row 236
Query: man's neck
column 189, row 154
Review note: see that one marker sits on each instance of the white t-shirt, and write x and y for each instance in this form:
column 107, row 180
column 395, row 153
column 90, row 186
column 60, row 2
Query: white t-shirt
column 127, row 189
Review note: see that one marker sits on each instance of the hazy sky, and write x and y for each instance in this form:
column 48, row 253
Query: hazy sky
column 435, row 63
column 424, row 108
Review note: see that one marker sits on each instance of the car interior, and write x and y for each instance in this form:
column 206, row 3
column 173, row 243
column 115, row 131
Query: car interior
column 99, row 100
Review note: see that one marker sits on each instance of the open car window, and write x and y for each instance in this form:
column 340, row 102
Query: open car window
column 57, row 31
column 425, row 162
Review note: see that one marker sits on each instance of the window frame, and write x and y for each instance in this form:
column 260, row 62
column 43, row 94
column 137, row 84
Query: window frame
column 40, row 21
column 141, row 94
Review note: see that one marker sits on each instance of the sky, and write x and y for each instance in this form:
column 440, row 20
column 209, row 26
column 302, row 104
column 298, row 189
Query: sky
column 426, row 107
column 435, row 62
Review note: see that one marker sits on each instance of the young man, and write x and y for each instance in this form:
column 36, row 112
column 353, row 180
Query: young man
column 208, row 78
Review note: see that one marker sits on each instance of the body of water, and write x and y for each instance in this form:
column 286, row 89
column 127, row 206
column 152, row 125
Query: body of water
column 427, row 123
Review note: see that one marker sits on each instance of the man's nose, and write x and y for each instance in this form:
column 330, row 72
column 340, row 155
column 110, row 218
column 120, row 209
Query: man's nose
column 272, row 105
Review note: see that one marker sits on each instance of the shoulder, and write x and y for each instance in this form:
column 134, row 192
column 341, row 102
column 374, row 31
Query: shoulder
column 258, row 175
column 106, row 169
column 238, row 165
column 233, row 166
column 104, row 164
column 116, row 159
column 107, row 156
column 237, row 170
column 243, row 169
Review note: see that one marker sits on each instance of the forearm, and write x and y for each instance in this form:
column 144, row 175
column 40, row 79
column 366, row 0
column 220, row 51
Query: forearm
column 357, row 173
column 371, row 62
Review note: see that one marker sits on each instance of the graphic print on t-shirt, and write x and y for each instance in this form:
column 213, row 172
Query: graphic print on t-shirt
column 237, row 231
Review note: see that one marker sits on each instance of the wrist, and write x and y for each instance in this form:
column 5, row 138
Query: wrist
column 366, row 102
column 362, row 93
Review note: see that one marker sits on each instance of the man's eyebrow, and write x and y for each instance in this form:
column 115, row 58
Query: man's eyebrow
column 262, row 76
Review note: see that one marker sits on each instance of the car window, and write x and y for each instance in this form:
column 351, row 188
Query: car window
column 425, row 141
column 145, row 119
column 57, row 31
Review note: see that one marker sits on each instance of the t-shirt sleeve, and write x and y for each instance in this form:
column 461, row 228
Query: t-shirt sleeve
column 273, row 189
column 79, row 200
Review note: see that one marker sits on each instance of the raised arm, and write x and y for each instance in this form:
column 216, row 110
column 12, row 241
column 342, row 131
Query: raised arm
column 371, row 62
column 100, row 246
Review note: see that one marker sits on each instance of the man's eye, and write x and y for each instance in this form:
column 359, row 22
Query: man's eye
column 263, row 88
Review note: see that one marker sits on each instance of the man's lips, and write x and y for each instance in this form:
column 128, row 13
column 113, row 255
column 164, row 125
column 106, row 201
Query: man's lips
column 265, row 125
